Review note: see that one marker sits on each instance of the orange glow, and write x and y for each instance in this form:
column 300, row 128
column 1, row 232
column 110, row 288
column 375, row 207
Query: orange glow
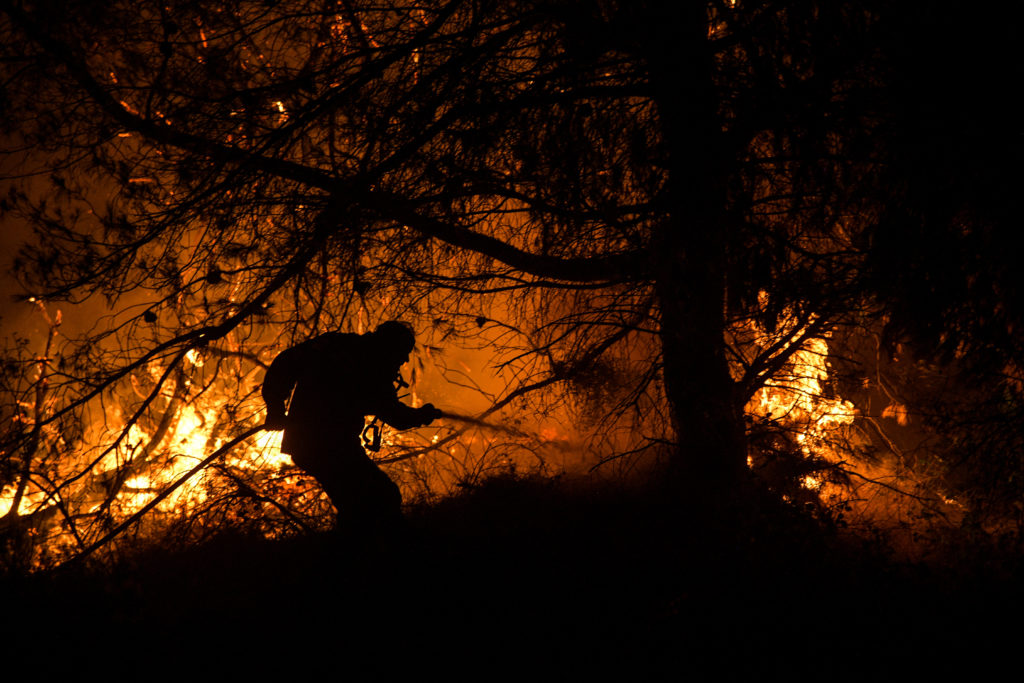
column 793, row 397
column 795, row 400
column 884, row 495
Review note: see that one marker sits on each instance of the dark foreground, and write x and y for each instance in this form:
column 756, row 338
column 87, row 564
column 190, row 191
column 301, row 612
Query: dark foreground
column 533, row 580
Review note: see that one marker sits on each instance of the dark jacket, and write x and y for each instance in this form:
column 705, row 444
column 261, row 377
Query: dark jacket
column 334, row 381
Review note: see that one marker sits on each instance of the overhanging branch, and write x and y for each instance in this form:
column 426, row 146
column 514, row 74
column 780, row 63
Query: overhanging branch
column 624, row 266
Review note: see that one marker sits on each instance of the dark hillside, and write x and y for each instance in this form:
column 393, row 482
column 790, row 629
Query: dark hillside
column 526, row 574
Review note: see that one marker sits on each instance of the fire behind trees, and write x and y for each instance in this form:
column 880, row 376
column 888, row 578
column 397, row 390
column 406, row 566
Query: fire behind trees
column 656, row 217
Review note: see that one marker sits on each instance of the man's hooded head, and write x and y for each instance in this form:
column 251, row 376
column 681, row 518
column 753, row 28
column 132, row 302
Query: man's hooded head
column 395, row 340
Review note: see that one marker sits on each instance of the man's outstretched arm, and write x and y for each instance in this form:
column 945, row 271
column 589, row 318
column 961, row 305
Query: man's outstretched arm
column 401, row 416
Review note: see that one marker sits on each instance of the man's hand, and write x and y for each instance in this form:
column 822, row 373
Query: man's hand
column 429, row 413
column 275, row 421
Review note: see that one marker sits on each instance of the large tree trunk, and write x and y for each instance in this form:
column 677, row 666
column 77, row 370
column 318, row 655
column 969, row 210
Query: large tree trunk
column 689, row 255
column 709, row 427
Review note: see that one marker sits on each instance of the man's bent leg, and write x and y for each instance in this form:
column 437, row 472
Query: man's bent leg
column 365, row 498
column 373, row 503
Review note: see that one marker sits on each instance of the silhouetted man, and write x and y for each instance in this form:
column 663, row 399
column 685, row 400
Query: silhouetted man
column 334, row 381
